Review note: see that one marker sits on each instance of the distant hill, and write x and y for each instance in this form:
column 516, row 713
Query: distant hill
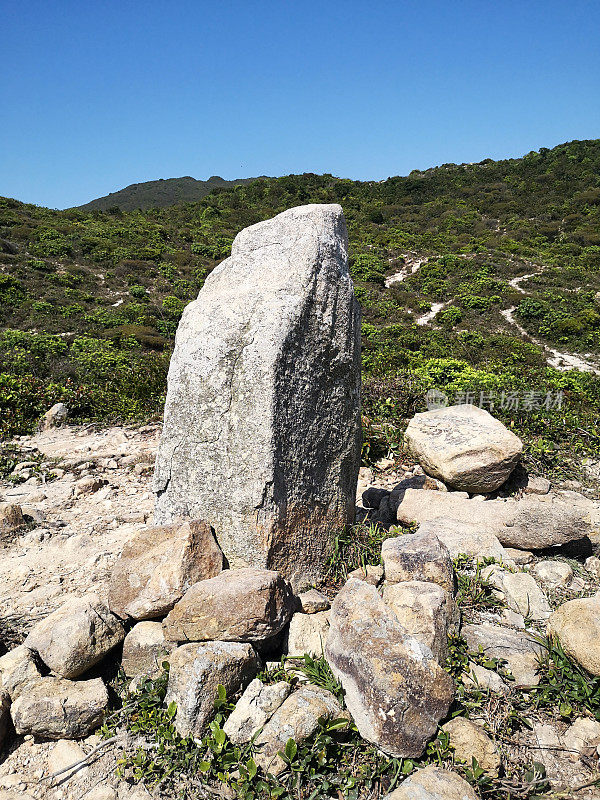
column 161, row 193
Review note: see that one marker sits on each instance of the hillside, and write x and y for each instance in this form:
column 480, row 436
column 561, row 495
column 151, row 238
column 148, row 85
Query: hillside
column 474, row 277
column 159, row 194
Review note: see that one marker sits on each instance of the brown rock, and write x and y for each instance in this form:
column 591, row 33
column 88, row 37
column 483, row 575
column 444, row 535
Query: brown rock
column 11, row 517
column 158, row 565
column 470, row 741
column 577, row 625
column 417, row 557
column 145, row 649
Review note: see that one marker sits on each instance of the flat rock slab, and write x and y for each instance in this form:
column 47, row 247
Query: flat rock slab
column 76, row 636
column 194, row 677
column 464, row 446
column 242, row 605
column 417, row 557
column 517, row 648
column 394, row 687
column 262, row 418
column 55, row 708
column 159, row 564
column 464, row 538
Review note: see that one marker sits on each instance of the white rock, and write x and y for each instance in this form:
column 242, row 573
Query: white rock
column 433, row 783
column 18, row 668
column 581, row 736
column 464, row 538
column 521, row 592
column 256, row 705
column 313, row 601
column 553, row 574
column 66, row 754
column 577, row 625
column 144, row 650
column 307, row 634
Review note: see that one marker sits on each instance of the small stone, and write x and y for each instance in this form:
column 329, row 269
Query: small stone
column 464, row 446
column 592, row 564
column 521, row 592
column 65, row 754
column 517, row 648
column 470, row 741
column 417, row 557
column 577, row 625
column 145, row 649
column 512, row 619
column 195, row 674
column 256, row 705
column 55, row 708
column 425, row 611
column 11, row 517
column 297, row 718
column 18, row 668
column 553, row 574
column 102, row 793
column 87, row 486
column 433, row 783
column 54, row 417
column 483, row 678
column 246, row 604
column 76, row 636
column 370, row 573
column 520, row 557
column 158, row 565
column 313, row 601
column 308, row 634
column 581, row 737
column 536, row 485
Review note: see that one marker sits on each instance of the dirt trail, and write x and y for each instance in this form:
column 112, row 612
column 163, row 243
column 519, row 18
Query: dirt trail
column 412, row 264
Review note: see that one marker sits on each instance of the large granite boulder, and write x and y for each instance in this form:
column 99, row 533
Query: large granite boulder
column 241, row 605
column 158, row 565
column 464, row 446
column 262, row 418
column 394, row 687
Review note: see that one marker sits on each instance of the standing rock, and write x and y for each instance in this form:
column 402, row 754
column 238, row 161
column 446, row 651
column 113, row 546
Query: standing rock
column 55, row 708
column 4, row 714
column 308, row 634
column 262, row 419
column 297, row 719
column 145, row 649
column 75, row 636
column 195, row 674
column 470, row 742
column 242, row 605
column 425, row 611
column 417, row 557
column 464, row 446
column 257, row 704
column 18, row 668
column 54, row 417
column 395, row 689
column 158, row 565
column 577, row 625
column 433, row 783
column 521, row 592
column 11, row 517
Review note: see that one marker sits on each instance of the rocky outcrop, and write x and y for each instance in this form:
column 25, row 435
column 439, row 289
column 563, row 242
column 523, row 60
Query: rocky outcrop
column 243, row 605
column 262, row 419
column 196, row 672
column 57, row 709
column 464, row 446
column 158, row 565
column 394, row 688
column 76, row 636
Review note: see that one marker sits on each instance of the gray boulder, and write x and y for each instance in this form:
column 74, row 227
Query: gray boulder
column 76, row 636
column 55, row 708
column 394, row 687
column 464, row 446
column 196, row 672
column 262, row 418
column 242, row 605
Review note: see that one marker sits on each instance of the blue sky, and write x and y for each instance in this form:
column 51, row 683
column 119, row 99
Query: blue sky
column 97, row 95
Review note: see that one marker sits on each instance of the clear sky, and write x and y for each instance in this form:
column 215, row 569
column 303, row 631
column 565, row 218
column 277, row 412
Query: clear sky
column 98, row 94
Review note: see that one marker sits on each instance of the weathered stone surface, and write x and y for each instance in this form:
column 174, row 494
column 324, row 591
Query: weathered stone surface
column 144, row 649
column 54, row 417
column 195, row 674
column 75, row 636
column 417, row 557
column 395, row 689
column 158, row 565
column 433, row 783
column 55, row 708
column 520, row 591
column 553, row 574
column 4, row 714
column 262, row 419
column 313, row 601
column 18, row 668
column 464, row 446
column 577, row 625
column 308, row 634
column 63, row 755
column 11, row 517
column 484, row 678
column 370, row 573
column 471, row 741
column 425, row 611
column 517, row 648
column 257, row 704
column 242, row 605
column 464, row 538
column 530, row 522
column 297, row 718
column 581, row 737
